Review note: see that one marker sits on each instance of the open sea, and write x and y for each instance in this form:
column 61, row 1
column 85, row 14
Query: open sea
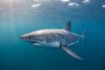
column 18, row 17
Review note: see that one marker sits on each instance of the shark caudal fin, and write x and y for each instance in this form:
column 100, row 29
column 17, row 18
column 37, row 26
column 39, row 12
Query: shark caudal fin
column 70, row 52
column 84, row 36
column 68, row 26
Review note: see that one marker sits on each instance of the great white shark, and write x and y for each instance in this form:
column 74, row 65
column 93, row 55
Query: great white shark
column 58, row 38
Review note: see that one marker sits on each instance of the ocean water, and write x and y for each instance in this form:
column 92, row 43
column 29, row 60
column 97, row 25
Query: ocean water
column 17, row 17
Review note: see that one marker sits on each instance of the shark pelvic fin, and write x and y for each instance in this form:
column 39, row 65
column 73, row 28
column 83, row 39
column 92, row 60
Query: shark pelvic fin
column 70, row 52
column 68, row 26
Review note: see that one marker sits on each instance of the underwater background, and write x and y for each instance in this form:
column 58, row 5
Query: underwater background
column 18, row 17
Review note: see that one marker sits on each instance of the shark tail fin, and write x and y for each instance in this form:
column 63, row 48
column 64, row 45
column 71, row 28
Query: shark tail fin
column 84, row 35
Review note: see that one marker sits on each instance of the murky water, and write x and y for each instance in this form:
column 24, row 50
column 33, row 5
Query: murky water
column 18, row 19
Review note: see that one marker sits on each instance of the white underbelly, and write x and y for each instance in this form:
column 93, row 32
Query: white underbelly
column 51, row 44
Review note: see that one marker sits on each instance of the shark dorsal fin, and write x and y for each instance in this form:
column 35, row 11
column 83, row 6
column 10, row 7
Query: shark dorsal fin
column 68, row 26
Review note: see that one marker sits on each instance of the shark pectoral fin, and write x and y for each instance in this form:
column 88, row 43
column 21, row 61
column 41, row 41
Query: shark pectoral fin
column 70, row 52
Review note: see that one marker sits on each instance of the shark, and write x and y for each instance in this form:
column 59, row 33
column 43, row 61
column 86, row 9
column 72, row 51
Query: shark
column 55, row 38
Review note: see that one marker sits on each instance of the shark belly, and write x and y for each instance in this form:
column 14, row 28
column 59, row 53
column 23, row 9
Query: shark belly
column 47, row 44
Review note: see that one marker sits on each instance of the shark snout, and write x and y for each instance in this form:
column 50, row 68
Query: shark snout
column 23, row 37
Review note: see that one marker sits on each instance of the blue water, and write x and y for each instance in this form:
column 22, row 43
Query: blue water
column 16, row 20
